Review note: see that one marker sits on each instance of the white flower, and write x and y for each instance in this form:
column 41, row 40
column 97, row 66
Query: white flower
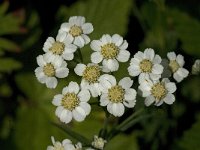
column 71, row 146
column 158, row 92
column 58, row 145
column 72, row 103
column 50, row 67
column 98, row 142
column 116, row 96
column 176, row 64
column 76, row 30
column 110, row 50
column 90, row 77
column 61, row 46
column 146, row 65
column 196, row 67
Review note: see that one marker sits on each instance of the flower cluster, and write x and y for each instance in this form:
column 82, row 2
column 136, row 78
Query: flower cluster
column 97, row 77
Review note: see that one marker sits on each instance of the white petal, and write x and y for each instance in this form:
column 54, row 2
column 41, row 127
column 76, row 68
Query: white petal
column 121, row 109
column 124, row 45
column 171, row 87
column 65, row 26
column 104, row 100
column 68, row 56
column 130, row 103
column 183, row 72
column 51, row 82
column 107, row 78
column 79, row 114
column 157, row 59
column 149, row 54
column 157, row 69
column 158, row 103
column 117, row 109
column 106, row 39
column 169, row 99
column 123, row 56
column 79, row 69
column 40, row 61
column 171, row 56
column 86, row 38
column 96, row 45
column 94, row 91
column 139, row 55
column 126, row 82
column 155, row 77
column 86, row 107
column 40, row 75
column 149, row 100
column 59, row 110
column 66, row 141
column 66, row 116
column 80, row 20
column 84, row 95
column 73, row 87
column 79, row 41
column 70, row 48
column 143, row 77
column 57, row 99
column 109, row 108
column 111, row 64
column 180, row 60
column 61, row 37
column 62, row 72
column 130, row 94
column 96, row 57
column 87, row 28
column 57, row 61
column 117, row 39
column 133, row 72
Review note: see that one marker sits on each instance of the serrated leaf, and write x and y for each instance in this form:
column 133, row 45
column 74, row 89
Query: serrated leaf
column 9, row 64
column 8, row 45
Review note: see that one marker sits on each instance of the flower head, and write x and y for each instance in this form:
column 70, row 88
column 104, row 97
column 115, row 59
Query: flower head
column 196, row 67
column 50, row 67
column 61, row 46
column 176, row 64
column 109, row 50
column 77, row 30
column 158, row 92
column 98, row 142
column 58, row 145
column 72, row 103
column 116, row 96
column 90, row 77
column 146, row 65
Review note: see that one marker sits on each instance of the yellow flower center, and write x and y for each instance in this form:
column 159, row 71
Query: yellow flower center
column 49, row 70
column 159, row 91
column 109, row 51
column 92, row 73
column 173, row 65
column 70, row 101
column 116, row 94
column 75, row 30
column 146, row 65
column 57, row 48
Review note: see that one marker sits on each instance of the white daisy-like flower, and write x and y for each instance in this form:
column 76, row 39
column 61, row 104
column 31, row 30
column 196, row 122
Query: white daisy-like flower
column 146, row 64
column 98, row 142
column 72, row 103
column 109, row 50
column 90, row 77
column 58, row 145
column 61, row 46
column 50, row 68
column 176, row 64
column 116, row 96
column 77, row 30
column 158, row 92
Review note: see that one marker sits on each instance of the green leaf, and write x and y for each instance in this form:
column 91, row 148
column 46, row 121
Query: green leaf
column 188, row 30
column 8, row 45
column 107, row 17
column 190, row 139
column 9, row 64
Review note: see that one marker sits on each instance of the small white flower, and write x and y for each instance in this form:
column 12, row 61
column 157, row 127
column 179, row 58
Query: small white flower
column 72, row 103
column 110, row 50
column 196, row 67
column 58, row 145
column 50, row 67
column 98, row 142
column 61, row 46
column 90, row 77
column 146, row 65
column 176, row 64
column 71, row 146
column 77, row 30
column 158, row 92
column 116, row 96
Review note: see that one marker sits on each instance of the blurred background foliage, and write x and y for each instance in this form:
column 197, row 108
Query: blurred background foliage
column 26, row 111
